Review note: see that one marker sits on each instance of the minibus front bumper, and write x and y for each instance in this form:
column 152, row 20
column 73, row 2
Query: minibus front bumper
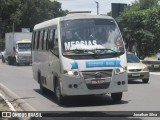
column 71, row 85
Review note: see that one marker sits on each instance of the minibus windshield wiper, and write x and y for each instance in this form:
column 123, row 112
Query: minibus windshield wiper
column 115, row 53
column 90, row 52
column 106, row 49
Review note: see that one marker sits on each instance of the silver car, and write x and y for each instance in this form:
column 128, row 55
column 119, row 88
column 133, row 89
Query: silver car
column 136, row 69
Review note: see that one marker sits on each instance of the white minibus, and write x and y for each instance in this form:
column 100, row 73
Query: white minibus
column 79, row 54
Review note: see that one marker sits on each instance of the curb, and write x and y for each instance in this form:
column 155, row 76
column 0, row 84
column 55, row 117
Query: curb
column 20, row 102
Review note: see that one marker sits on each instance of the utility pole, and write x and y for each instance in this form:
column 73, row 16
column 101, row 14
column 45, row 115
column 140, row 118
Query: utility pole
column 97, row 7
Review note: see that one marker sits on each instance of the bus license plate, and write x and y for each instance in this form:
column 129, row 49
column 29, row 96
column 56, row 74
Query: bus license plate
column 98, row 81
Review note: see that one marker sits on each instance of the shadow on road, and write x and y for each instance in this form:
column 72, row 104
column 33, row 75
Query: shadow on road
column 137, row 82
column 83, row 101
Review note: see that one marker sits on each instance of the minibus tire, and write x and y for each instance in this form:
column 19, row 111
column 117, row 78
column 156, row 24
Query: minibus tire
column 43, row 90
column 59, row 97
column 116, row 97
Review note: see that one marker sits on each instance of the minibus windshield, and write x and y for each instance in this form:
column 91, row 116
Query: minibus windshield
column 101, row 36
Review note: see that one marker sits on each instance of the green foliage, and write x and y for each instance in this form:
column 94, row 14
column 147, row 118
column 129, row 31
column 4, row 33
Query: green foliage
column 26, row 13
column 142, row 22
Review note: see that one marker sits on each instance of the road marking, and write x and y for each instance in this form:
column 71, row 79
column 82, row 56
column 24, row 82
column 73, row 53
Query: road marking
column 9, row 105
column 7, row 102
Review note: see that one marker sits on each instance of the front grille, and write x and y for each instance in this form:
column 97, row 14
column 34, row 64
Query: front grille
column 135, row 70
column 98, row 86
column 25, row 57
column 93, row 74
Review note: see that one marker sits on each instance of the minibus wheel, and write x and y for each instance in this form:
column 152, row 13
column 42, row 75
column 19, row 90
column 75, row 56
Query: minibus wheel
column 59, row 97
column 43, row 90
column 116, row 97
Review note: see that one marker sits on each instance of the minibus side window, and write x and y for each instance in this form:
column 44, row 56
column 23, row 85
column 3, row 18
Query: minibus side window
column 33, row 40
column 40, row 40
column 45, row 40
column 37, row 39
column 55, row 48
column 51, row 39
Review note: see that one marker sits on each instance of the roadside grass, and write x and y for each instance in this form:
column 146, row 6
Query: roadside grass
column 4, row 106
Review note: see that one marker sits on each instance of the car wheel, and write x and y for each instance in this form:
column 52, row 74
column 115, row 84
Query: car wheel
column 145, row 80
column 116, row 97
column 59, row 97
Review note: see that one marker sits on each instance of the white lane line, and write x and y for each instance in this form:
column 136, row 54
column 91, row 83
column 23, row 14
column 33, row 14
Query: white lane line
column 8, row 103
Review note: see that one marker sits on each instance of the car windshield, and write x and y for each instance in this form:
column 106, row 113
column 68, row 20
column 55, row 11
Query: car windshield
column 24, row 46
column 90, row 36
column 131, row 58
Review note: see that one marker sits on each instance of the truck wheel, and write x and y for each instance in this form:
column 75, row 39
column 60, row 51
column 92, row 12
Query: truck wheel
column 3, row 60
column 59, row 97
column 116, row 97
column 145, row 80
column 15, row 62
column 10, row 60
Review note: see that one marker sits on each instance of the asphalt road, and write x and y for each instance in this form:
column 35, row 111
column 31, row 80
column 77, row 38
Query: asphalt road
column 140, row 97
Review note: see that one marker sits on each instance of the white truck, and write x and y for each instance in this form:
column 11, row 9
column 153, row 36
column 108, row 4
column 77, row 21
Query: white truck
column 17, row 48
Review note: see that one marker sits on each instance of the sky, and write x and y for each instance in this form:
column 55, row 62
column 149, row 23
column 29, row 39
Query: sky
column 90, row 5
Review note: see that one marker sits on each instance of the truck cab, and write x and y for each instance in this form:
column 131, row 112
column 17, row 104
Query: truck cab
column 23, row 52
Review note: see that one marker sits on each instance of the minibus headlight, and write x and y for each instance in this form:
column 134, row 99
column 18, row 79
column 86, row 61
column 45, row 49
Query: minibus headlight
column 120, row 70
column 72, row 73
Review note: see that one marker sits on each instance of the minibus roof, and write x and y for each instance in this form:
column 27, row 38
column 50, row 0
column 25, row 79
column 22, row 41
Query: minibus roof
column 74, row 16
column 83, row 16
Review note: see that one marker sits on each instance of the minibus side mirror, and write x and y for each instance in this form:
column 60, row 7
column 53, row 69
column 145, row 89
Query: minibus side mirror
column 55, row 51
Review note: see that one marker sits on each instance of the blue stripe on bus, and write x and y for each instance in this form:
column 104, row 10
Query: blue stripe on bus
column 103, row 63
column 74, row 65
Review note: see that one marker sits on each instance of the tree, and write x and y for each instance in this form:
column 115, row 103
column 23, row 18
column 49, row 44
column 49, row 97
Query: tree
column 141, row 20
column 26, row 13
column 36, row 11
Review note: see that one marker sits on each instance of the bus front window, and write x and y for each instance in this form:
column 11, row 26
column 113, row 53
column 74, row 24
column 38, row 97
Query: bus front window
column 24, row 46
column 90, row 36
